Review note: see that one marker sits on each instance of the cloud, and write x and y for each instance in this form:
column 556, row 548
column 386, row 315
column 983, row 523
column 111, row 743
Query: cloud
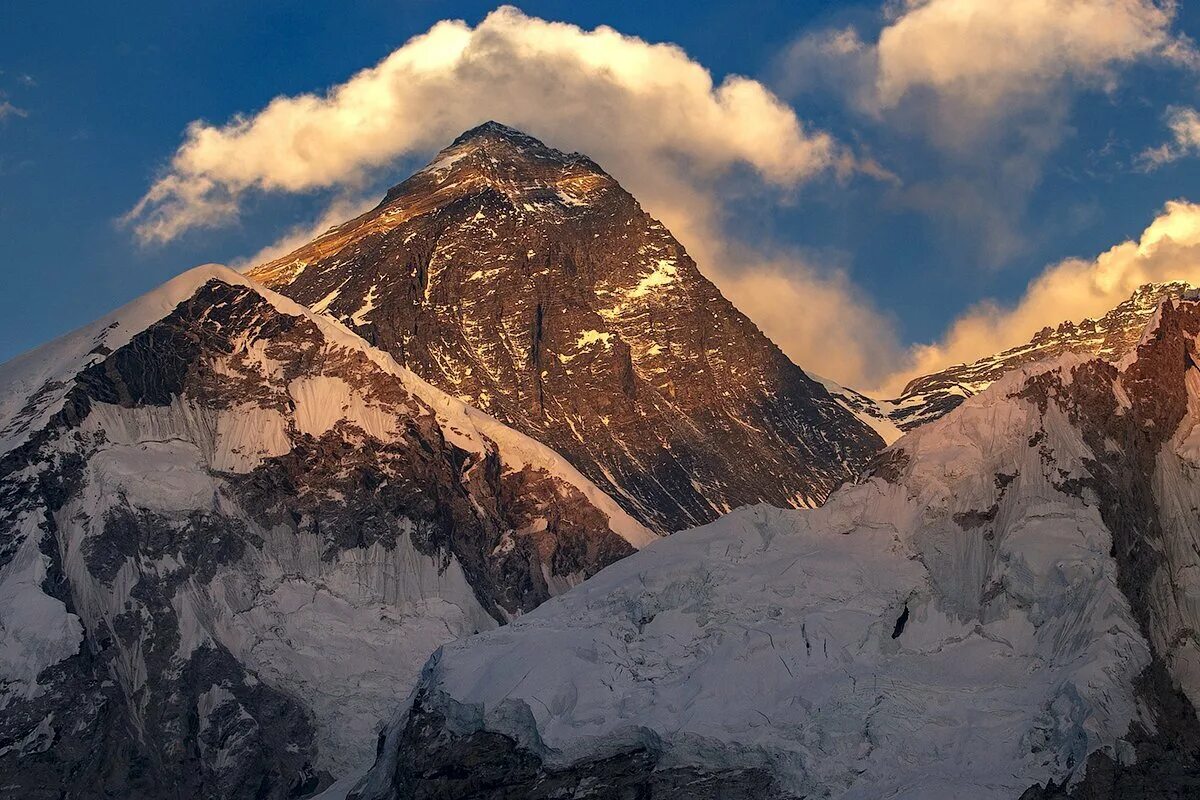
column 1073, row 289
column 601, row 90
column 341, row 209
column 7, row 110
column 990, row 56
column 979, row 93
column 954, row 68
column 1184, row 124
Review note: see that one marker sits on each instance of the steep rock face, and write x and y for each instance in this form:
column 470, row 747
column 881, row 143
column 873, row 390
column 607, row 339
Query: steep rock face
column 1007, row 608
column 231, row 532
column 1110, row 337
column 527, row 282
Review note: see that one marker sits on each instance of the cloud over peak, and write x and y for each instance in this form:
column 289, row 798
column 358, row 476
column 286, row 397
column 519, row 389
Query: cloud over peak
column 600, row 90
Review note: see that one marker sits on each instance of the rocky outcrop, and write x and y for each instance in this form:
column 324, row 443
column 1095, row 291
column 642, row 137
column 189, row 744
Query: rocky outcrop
column 500, row 767
column 1110, row 337
column 231, row 535
column 527, row 282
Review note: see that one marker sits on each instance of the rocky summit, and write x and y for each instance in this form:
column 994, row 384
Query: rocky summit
column 528, row 283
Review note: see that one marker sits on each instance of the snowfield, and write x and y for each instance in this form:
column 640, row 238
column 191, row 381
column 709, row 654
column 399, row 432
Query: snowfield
column 950, row 628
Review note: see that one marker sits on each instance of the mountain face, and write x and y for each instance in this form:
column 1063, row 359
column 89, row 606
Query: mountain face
column 528, row 283
column 1006, row 608
column 231, row 532
column 1110, row 337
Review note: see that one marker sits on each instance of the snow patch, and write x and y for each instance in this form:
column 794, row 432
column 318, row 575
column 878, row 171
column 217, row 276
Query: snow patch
column 322, row 401
column 36, row 630
column 663, row 274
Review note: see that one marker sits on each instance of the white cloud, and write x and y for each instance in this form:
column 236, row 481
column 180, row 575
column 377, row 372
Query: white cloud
column 7, row 109
column 988, row 55
column 1167, row 250
column 954, row 68
column 600, row 90
column 1184, row 124
column 988, row 85
column 648, row 113
column 340, row 210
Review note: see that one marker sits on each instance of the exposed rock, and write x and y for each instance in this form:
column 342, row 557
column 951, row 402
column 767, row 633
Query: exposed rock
column 529, row 283
column 1110, row 337
column 491, row 766
column 1126, row 479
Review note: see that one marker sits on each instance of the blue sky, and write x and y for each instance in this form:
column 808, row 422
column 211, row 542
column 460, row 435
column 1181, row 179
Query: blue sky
column 100, row 98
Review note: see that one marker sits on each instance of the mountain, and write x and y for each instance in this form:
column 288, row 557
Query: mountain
column 231, row 532
column 528, row 283
column 1006, row 607
column 1111, row 336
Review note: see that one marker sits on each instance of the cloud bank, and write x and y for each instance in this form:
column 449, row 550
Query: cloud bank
column 987, row 56
column 976, row 61
column 988, row 88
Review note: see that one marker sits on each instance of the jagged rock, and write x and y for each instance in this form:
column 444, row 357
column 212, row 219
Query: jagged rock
column 930, row 397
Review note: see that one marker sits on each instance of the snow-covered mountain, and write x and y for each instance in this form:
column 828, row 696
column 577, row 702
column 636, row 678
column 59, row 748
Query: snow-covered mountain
column 231, row 532
column 932, row 396
column 530, row 284
column 1007, row 607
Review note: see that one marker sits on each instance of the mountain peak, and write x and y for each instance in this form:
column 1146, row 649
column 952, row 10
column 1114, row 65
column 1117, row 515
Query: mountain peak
column 505, row 159
column 498, row 131
column 530, row 283
column 504, row 147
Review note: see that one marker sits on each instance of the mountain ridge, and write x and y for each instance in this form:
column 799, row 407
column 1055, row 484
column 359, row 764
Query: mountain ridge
column 929, row 397
column 231, row 528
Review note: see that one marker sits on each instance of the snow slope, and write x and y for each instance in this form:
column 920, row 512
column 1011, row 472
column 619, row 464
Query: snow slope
column 221, row 506
column 33, row 385
column 972, row 621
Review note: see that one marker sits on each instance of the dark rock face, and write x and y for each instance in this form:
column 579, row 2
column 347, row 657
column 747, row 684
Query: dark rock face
column 155, row 704
column 529, row 283
column 483, row 765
